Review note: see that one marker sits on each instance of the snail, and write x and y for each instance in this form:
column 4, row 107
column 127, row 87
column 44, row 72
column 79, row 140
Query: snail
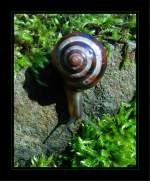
column 81, row 61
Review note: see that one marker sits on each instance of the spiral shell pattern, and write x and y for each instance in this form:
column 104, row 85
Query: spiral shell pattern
column 80, row 59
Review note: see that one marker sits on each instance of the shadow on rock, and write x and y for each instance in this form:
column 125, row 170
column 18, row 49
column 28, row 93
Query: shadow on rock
column 45, row 86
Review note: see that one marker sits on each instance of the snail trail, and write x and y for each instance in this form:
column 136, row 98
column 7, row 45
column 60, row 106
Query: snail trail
column 45, row 86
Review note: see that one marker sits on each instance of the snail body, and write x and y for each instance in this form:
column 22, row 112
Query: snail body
column 81, row 61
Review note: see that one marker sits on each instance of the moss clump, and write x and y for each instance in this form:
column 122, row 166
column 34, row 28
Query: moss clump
column 36, row 34
column 109, row 142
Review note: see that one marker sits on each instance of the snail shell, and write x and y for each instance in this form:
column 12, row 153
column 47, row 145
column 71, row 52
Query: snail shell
column 81, row 61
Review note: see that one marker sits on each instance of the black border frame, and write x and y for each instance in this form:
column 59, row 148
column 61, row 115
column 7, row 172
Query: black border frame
column 7, row 95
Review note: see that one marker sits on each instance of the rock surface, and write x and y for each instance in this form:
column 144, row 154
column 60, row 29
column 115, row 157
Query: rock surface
column 38, row 109
column 116, row 86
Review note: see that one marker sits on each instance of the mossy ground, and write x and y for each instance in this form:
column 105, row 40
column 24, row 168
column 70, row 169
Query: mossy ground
column 36, row 34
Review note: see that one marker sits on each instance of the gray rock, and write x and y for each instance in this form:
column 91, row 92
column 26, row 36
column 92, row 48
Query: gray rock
column 37, row 111
column 116, row 86
column 34, row 120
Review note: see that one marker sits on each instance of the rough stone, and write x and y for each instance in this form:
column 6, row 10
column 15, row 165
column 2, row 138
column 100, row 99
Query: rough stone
column 116, row 86
column 38, row 109
column 34, row 119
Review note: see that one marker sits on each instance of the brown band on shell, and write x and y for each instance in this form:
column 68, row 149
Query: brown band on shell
column 81, row 61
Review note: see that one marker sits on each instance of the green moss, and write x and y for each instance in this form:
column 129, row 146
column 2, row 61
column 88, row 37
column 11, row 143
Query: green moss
column 111, row 142
column 38, row 33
